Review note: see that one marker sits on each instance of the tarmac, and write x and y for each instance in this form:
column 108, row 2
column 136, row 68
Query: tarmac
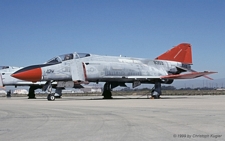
column 130, row 118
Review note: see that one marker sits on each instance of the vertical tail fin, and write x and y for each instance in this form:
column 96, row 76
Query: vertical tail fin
column 180, row 53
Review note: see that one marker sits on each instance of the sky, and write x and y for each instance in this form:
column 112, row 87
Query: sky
column 34, row 31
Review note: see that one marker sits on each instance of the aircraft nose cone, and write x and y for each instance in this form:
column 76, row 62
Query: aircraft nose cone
column 32, row 74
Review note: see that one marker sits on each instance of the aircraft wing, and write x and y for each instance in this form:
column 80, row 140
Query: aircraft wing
column 188, row 75
column 144, row 77
column 175, row 76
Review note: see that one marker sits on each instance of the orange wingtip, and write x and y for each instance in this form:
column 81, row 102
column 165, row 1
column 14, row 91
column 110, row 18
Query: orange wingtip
column 180, row 53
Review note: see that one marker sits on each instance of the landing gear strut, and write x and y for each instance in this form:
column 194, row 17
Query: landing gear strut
column 58, row 92
column 107, row 91
column 31, row 94
column 156, row 91
column 48, row 87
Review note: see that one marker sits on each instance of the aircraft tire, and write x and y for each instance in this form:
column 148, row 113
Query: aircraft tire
column 107, row 94
column 58, row 97
column 51, row 97
column 154, row 96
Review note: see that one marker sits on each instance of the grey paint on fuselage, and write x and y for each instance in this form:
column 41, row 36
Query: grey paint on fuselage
column 109, row 68
column 121, row 67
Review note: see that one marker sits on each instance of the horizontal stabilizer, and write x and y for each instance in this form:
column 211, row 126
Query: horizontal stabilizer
column 188, row 75
column 203, row 76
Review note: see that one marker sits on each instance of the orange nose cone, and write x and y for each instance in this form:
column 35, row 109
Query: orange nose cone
column 32, row 75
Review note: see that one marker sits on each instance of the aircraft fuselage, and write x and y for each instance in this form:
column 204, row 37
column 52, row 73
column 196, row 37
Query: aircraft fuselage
column 96, row 68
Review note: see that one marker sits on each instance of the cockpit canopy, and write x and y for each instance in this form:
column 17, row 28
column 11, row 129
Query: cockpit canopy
column 4, row 67
column 66, row 57
column 8, row 68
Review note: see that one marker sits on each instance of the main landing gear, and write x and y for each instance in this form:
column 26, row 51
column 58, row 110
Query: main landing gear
column 31, row 93
column 107, row 94
column 156, row 91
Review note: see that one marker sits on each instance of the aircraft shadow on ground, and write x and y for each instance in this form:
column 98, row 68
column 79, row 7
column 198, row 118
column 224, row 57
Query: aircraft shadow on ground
column 115, row 98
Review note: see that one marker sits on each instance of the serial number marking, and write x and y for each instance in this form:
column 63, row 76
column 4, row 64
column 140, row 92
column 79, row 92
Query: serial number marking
column 158, row 63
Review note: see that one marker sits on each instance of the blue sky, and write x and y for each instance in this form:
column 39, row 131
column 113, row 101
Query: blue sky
column 33, row 31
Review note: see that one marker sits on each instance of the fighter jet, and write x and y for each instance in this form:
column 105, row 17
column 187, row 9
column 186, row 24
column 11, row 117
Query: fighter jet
column 83, row 68
column 7, row 80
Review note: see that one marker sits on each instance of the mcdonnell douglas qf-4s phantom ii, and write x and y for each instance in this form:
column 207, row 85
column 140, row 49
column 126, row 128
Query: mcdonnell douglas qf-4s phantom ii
column 7, row 80
column 82, row 68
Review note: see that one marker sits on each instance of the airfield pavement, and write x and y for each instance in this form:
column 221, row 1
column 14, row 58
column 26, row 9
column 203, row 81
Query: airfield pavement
column 129, row 118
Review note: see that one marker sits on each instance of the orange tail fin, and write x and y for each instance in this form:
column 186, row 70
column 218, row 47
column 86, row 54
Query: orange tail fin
column 180, row 53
